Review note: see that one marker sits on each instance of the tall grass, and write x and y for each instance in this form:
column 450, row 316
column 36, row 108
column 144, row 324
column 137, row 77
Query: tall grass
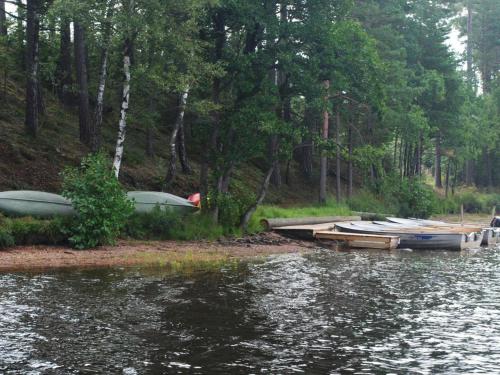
column 331, row 208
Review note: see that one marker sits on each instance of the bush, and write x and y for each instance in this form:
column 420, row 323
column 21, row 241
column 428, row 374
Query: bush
column 472, row 202
column 101, row 204
column 6, row 238
column 166, row 225
column 156, row 225
column 366, row 201
column 29, row 231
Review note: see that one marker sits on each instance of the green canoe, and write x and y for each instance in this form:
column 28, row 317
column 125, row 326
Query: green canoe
column 34, row 203
column 146, row 201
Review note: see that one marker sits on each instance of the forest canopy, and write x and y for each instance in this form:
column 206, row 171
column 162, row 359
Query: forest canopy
column 359, row 91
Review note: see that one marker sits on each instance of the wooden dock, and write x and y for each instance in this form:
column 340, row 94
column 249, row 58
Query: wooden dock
column 305, row 232
column 356, row 240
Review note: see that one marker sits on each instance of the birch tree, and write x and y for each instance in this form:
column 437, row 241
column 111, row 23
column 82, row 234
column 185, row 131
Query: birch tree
column 174, row 137
column 122, row 126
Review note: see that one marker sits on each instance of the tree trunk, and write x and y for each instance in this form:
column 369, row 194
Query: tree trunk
column 470, row 72
column 394, row 161
column 181, row 149
column 337, row 156
column 262, row 194
column 469, row 172
column 437, row 172
column 124, row 109
column 95, row 136
column 489, row 169
column 447, row 178
column 149, row 130
column 220, row 39
column 324, row 159
column 82, row 79
column 95, row 133
column 3, row 19
column 64, row 77
column 172, row 165
column 32, row 107
column 350, row 165
column 305, row 152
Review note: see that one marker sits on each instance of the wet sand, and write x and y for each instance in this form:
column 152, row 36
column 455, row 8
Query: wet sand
column 144, row 253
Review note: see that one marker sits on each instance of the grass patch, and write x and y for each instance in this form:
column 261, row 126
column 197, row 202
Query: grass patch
column 186, row 262
column 331, row 208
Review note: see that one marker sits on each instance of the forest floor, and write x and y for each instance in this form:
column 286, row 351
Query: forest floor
column 173, row 254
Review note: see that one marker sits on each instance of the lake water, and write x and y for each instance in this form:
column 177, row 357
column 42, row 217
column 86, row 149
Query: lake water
column 325, row 312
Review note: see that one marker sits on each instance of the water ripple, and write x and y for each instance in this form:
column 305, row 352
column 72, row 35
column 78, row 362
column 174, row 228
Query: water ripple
column 326, row 312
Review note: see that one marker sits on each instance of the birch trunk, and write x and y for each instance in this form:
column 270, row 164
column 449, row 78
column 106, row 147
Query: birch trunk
column 172, row 165
column 324, row 159
column 95, row 133
column 181, row 149
column 32, row 114
column 124, row 109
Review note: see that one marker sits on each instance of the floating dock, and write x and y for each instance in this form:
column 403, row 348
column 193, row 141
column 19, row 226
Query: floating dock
column 363, row 241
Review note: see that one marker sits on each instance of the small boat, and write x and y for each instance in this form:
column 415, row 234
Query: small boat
column 420, row 222
column 34, row 203
column 146, row 201
column 415, row 237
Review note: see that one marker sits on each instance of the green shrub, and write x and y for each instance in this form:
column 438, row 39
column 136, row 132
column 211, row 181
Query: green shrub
column 101, row 204
column 6, row 238
column 165, row 225
column 29, row 231
column 472, row 202
column 156, row 225
column 366, row 201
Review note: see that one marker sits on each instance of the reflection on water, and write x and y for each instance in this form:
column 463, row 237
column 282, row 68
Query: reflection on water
column 327, row 312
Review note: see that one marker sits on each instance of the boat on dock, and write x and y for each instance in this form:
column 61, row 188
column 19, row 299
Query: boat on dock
column 420, row 237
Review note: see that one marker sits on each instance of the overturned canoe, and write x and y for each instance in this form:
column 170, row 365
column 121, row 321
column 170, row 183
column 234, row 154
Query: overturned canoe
column 34, row 203
column 146, row 201
column 420, row 237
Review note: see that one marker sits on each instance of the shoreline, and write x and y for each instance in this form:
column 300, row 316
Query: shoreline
column 126, row 253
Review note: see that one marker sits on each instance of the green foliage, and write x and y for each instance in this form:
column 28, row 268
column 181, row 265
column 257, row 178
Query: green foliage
column 408, row 197
column 367, row 201
column 29, row 231
column 166, row 225
column 101, row 204
column 158, row 224
column 6, row 238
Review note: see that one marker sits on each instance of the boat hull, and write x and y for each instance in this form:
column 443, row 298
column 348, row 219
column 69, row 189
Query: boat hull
column 34, row 203
column 146, row 201
column 428, row 240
